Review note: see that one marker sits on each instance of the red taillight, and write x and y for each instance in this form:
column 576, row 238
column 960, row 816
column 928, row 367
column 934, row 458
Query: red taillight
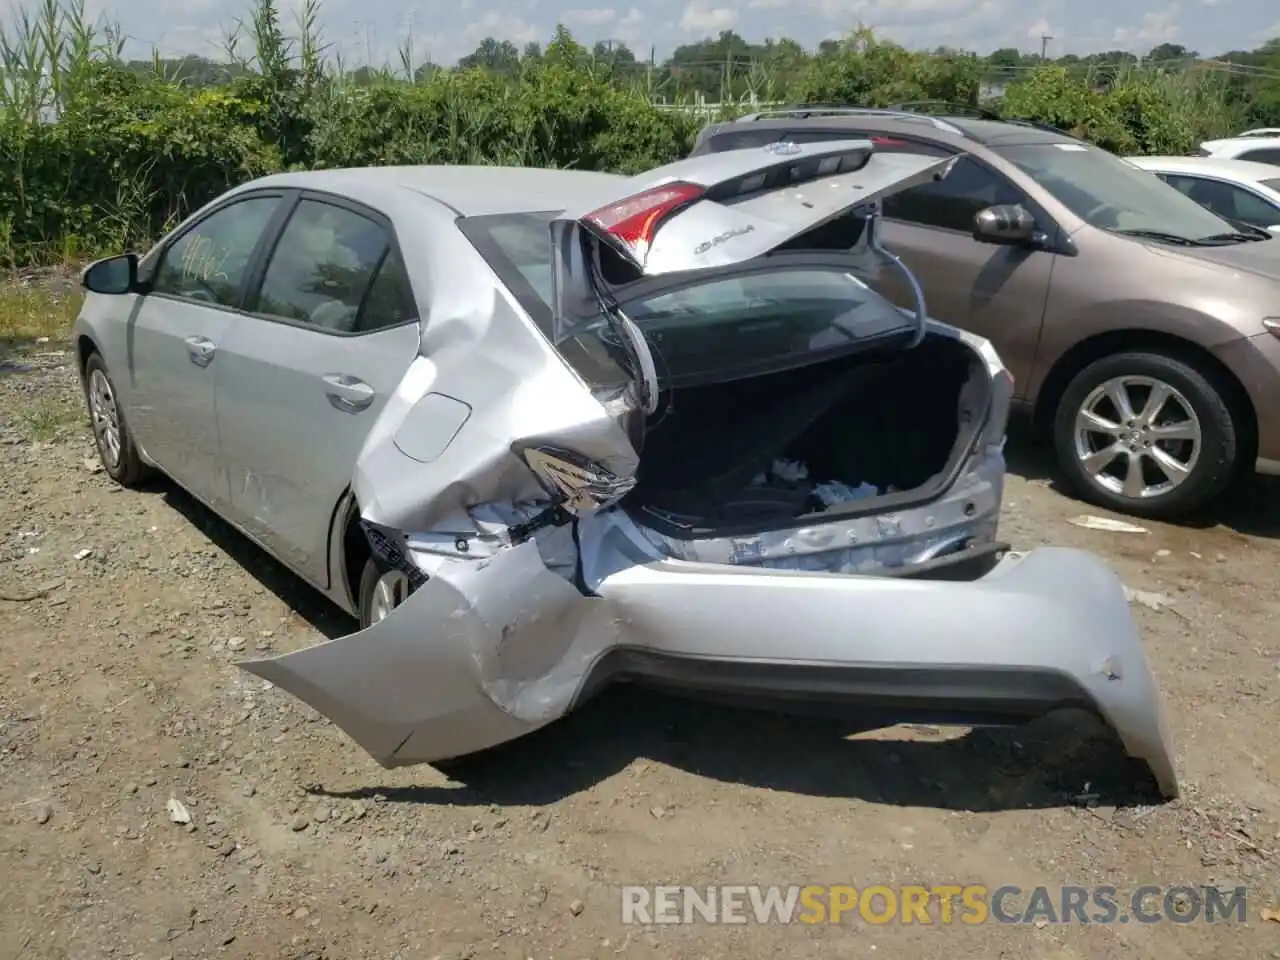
column 888, row 142
column 633, row 222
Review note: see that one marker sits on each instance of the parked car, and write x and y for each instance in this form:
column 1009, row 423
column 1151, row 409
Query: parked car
column 1143, row 330
column 1236, row 190
column 1258, row 146
column 547, row 430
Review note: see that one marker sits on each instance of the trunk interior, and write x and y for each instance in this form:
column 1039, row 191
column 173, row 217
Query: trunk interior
column 851, row 435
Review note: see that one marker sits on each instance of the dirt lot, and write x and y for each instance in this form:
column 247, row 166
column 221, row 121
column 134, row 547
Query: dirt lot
column 117, row 693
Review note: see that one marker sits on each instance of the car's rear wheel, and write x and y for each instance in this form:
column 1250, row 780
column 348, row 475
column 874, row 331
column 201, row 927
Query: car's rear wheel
column 1147, row 434
column 116, row 449
column 382, row 589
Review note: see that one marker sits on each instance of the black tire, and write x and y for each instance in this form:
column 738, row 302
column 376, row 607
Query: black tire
column 369, row 577
column 1220, row 444
column 127, row 469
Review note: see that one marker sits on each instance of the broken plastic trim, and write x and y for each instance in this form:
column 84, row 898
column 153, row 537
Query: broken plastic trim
column 576, row 483
column 391, row 547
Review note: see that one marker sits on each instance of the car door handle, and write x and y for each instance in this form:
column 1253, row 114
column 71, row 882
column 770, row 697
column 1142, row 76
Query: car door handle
column 347, row 393
column 200, row 350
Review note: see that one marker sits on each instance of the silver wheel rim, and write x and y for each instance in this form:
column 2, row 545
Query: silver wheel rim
column 105, row 417
column 388, row 593
column 1137, row 437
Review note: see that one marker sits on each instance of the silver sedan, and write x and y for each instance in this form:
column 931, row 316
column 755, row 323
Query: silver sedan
column 542, row 431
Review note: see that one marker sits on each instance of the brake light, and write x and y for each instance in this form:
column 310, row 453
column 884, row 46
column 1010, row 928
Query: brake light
column 888, row 142
column 633, row 223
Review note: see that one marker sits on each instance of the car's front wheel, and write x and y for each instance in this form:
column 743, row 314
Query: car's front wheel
column 1147, row 434
column 382, row 589
column 116, row 449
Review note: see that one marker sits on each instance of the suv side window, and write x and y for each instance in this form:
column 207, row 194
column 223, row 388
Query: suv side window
column 952, row 203
column 322, row 267
column 210, row 261
column 1271, row 156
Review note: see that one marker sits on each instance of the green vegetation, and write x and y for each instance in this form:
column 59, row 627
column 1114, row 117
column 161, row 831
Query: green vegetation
column 99, row 154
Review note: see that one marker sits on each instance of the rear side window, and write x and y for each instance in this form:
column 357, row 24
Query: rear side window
column 1226, row 199
column 1271, row 155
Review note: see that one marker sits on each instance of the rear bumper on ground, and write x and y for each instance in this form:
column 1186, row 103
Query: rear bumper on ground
column 487, row 651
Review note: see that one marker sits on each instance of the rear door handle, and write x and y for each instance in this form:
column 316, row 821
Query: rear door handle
column 347, row 393
column 200, row 350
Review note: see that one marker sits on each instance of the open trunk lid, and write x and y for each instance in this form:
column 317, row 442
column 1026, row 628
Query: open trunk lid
column 717, row 210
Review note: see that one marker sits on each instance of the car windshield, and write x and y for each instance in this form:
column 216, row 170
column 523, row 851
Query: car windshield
column 1110, row 194
column 707, row 330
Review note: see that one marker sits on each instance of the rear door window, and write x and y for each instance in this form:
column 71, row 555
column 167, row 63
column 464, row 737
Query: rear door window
column 1269, row 155
column 323, row 269
column 1226, row 199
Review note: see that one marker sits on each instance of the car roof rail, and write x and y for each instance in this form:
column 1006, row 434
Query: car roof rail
column 847, row 110
column 980, row 113
column 1258, row 132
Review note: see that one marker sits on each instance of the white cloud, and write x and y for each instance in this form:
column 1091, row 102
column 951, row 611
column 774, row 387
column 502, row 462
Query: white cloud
column 455, row 28
column 699, row 18
column 500, row 27
column 591, row 17
column 1160, row 26
column 1041, row 28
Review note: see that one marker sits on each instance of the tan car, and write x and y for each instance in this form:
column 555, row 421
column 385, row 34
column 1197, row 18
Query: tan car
column 1143, row 330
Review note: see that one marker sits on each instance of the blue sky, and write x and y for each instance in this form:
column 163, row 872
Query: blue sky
column 443, row 30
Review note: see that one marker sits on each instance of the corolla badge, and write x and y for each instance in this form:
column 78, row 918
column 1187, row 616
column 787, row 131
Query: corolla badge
column 722, row 238
column 783, row 148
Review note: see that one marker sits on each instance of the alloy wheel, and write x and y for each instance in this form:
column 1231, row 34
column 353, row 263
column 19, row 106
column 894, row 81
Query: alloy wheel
column 1137, row 437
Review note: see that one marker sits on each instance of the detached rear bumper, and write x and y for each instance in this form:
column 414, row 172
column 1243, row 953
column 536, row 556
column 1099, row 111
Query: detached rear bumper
column 489, row 650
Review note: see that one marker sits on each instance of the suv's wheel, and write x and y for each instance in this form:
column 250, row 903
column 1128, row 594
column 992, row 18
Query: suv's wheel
column 116, row 449
column 382, row 589
column 1146, row 434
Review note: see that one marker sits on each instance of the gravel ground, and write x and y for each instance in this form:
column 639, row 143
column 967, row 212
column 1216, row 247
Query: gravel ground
column 118, row 694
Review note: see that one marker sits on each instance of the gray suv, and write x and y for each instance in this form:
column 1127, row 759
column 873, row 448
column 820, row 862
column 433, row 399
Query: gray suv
column 1143, row 330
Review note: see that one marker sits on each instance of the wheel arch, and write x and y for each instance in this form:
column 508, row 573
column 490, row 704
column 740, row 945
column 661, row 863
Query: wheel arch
column 85, row 348
column 1193, row 354
column 349, row 550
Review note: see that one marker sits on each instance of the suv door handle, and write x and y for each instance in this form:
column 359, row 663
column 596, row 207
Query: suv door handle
column 200, row 350
column 347, row 393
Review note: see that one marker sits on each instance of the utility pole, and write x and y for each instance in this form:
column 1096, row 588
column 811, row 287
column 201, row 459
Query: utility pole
column 413, row 12
column 363, row 26
column 1044, row 44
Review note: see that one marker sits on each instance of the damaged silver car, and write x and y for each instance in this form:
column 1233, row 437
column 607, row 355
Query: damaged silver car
column 544, row 431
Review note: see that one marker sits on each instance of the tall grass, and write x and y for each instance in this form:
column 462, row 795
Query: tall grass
column 95, row 157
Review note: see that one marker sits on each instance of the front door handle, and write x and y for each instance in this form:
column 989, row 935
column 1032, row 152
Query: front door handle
column 347, row 393
column 200, row 350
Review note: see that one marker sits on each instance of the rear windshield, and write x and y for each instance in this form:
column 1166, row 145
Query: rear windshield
column 714, row 329
column 1271, row 184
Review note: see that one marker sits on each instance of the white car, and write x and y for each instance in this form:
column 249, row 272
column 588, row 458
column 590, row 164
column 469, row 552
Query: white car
column 1235, row 189
column 1260, row 146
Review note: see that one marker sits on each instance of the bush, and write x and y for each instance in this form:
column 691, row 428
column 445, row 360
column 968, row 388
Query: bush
column 97, row 155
